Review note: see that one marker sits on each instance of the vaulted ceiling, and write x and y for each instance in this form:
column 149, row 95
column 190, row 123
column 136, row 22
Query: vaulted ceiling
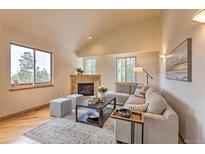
column 71, row 28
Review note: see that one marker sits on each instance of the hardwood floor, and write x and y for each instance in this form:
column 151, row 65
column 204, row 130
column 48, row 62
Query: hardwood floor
column 13, row 128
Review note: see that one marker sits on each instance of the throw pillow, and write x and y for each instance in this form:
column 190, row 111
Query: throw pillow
column 149, row 91
column 157, row 105
column 137, row 107
column 151, row 96
column 138, row 86
column 133, row 87
column 144, row 88
column 139, row 93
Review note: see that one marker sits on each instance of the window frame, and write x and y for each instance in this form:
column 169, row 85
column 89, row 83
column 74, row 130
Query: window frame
column 84, row 62
column 125, row 69
column 34, row 84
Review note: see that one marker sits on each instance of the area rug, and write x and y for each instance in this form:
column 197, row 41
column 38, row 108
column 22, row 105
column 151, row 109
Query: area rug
column 67, row 131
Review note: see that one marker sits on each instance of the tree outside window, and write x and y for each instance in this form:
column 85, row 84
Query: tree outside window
column 90, row 66
column 124, row 69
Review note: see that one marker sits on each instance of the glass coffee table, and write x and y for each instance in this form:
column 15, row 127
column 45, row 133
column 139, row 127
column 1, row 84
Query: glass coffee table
column 104, row 111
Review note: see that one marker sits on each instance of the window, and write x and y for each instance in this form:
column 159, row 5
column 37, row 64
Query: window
column 30, row 66
column 124, row 69
column 42, row 67
column 90, row 66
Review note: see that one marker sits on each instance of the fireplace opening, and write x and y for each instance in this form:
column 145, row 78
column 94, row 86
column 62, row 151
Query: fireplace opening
column 86, row 89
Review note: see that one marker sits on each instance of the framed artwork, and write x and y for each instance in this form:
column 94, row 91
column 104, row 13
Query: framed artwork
column 178, row 62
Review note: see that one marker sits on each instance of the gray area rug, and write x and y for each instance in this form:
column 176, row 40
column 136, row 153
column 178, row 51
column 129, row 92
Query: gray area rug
column 67, row 131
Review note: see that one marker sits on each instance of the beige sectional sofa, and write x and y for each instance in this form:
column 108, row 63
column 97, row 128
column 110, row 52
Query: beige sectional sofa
column 122, row 92
column 160, row 120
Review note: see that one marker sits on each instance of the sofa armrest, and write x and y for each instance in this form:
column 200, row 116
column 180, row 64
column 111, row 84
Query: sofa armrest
column 161, row 128
column 154, row 116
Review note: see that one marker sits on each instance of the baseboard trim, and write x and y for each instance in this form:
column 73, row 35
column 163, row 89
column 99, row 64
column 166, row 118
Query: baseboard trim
column 24, row 111
column 182, row 139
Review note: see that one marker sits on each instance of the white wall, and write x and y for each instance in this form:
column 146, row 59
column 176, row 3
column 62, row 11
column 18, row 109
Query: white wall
column 138, row 36
column 64, row 64
column 187, row 98
column 1, row 70
column 105, row 65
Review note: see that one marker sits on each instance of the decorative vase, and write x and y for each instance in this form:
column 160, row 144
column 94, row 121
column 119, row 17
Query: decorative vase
column 101, row 95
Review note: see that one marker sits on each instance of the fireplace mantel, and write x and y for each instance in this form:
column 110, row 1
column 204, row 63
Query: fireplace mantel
column 85, row 75
column 84, row 78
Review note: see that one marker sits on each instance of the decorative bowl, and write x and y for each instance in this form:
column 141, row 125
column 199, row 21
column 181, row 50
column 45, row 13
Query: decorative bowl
column 125, row 112
column 93, row 115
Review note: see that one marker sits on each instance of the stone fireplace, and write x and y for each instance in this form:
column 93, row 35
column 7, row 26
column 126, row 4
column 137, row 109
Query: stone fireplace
column 84, row 84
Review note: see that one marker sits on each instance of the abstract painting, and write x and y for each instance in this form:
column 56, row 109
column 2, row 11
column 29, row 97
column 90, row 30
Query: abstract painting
column 178, row 62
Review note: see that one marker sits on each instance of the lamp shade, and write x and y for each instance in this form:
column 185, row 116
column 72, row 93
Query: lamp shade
column 162, row 56
column 199, row 16
column 138, row 69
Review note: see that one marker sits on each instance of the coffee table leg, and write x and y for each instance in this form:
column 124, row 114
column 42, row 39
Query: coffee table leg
column 132, row 132
column 114, row 103
column 100, row 118
column 76, row 113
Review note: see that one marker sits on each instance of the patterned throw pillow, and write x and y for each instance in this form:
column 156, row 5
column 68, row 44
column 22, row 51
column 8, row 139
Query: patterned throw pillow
column 137, row 107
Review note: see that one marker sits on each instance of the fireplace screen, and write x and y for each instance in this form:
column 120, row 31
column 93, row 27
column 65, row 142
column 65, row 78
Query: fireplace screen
column 86, row 89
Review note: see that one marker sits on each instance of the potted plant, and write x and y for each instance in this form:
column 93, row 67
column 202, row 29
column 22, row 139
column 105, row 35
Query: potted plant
column 101, row 91
column 79, row 70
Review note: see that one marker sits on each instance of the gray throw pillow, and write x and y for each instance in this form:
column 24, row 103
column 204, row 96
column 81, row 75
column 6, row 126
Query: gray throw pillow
column 139, row 93
column 133, row 87
column 157, row 105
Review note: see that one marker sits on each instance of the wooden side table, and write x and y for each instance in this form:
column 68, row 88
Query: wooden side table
column 136, row 117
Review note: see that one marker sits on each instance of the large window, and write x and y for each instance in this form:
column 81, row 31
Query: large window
column 30, row 66
column 90, row 66
column 124, row 69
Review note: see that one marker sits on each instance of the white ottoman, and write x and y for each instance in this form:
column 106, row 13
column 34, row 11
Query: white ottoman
column 76, row 99
column 60, row 107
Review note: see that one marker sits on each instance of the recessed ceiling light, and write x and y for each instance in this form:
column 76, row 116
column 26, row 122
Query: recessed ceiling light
column 199, row 16
column 90, row 37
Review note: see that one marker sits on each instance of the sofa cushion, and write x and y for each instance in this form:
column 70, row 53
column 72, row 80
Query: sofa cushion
column 157, row 104
column 149, row 91
column 135, row 100
column 123, row 88
column 121, row 98
column 136, row 107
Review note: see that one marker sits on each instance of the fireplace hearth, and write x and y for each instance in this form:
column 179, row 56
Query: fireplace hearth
column 86, row 89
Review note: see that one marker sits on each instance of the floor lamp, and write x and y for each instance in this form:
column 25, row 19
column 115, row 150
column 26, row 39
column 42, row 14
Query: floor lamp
column 139, row 68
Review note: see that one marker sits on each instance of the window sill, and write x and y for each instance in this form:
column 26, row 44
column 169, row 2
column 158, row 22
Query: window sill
column 25, row 87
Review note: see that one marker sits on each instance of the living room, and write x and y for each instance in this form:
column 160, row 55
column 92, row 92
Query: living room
column 113, row 58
